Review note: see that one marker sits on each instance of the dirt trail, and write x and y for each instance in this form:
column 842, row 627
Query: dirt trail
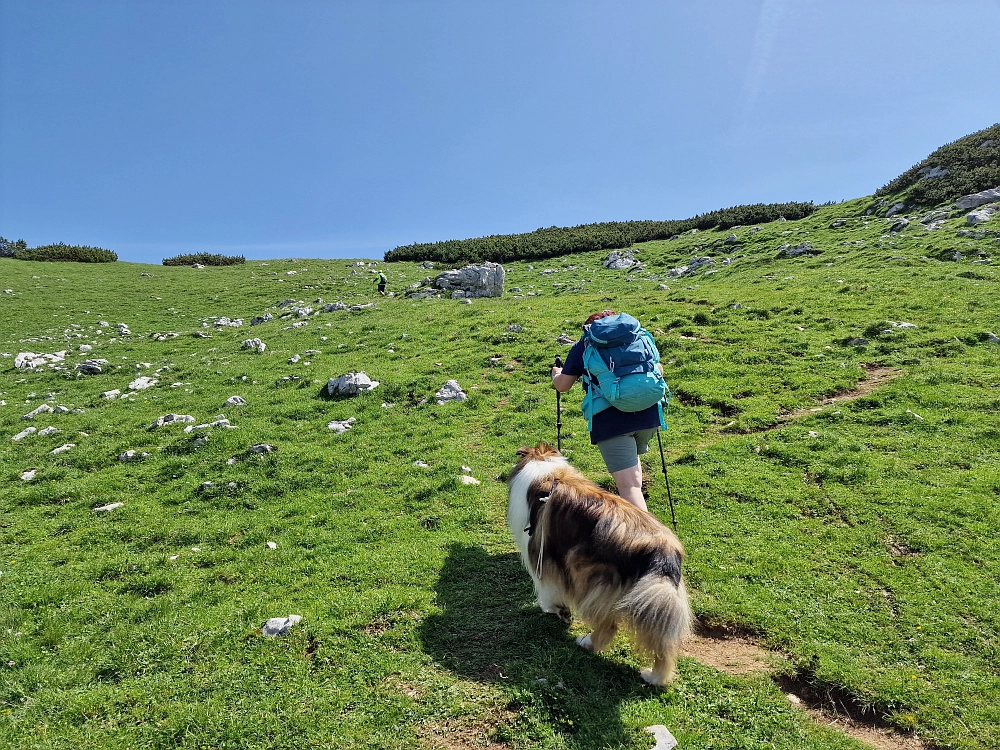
column 740, row 655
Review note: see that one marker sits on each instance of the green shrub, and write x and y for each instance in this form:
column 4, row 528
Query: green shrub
column 10, row 248
column 71, row 253
column 205, row 259
column 971, row 169
column 608, row 235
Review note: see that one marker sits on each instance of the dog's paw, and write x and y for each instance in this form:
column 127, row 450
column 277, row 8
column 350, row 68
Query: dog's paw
column 564, row 614
column 654, row 679
column 583, row 641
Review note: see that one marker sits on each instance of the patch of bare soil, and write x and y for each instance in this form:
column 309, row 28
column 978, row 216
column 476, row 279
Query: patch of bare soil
column 742, row 655
column 875, row 377
column 464, row 734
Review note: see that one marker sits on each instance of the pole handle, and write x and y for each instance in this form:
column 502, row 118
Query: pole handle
column 558, row 361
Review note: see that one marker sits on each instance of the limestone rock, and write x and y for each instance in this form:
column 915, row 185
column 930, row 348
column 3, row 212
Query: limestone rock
column 48, row 431
column 565, row 340
column 341, row 426
column 256, row 321
column 142, row 383
column 111, row 395
column 24, row 433
column 131, row 456
column 43, row 409
column 484, row 280
column 930, row 173
column 27, row 476
column 261, row 448
column 795, row 251
column 109, row 506
column 620, row 260
column 466, row 479
column 450, row 391
column 350, row 384
column 333, row 306
column 514, row 328
column 280, row 625
column 236, row 401
column 981, row 215
column 978, row 199
column 171, row 419
column 217, row 424
column 898, row 208
column 62, row 449
column 255, row 345
column 91, row 366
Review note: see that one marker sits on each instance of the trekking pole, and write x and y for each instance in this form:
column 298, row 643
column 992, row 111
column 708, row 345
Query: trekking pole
column 663, row 462
column 559, row 364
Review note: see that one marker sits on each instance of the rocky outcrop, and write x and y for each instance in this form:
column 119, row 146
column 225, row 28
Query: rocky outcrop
column 350, row 384
column 484, row 280
column 978, row 199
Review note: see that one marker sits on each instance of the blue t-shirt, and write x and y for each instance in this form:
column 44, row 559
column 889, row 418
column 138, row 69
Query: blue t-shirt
column 611, row 422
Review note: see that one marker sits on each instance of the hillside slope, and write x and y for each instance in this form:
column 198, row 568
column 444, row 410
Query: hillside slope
column 854, row 538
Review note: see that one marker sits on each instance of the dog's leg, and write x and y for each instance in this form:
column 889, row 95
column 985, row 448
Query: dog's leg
column 664, row 668
column 600, row 638
column 550, row 601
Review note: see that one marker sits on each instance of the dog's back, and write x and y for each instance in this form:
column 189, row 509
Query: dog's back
column 593, row 552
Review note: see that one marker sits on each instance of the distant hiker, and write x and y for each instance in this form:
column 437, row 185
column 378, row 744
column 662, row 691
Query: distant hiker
column 624, row 390
column 381, row 283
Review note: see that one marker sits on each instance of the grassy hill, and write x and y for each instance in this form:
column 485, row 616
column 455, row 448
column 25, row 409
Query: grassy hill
column 856, row 538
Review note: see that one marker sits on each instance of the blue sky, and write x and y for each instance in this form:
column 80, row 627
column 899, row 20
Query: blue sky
column 343, row 129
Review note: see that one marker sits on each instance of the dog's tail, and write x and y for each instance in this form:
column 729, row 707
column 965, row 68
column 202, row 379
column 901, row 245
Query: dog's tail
column 659, row 613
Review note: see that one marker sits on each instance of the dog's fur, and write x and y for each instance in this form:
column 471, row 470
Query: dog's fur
column 594, row 553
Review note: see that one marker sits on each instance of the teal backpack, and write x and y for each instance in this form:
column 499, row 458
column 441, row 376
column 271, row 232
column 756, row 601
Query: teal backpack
column 620, row 361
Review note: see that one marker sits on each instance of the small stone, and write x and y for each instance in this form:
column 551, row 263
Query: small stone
column 294, row 359
column 28, row 475
column 109, row 506
column 142, row 383
column 421, row 464
column 341, row 426
column 24, row 433
column 350, row 384
column 111, row 395
column 280, row 625
column 91, row 366
column 466, row 479
column 62, row 449
column 466, row 470
column 61, row 410
column 131, row 456
column 664, row 740
column 201, row 442
column 261, row 448
column 218, row 423
column 857, row 341
column 206, row 486
column 902, row 325
column 813, row 433
column 47, row 431
column 514, row 328
column 450, row 391
column 43, row 409
column 236, row 401
column 255, row 345
column 86, row 348
column 272, row 545
column 565, row 340
column 171, row 419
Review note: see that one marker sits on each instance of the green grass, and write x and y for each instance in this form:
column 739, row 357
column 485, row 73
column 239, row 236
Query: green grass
column 867, row 553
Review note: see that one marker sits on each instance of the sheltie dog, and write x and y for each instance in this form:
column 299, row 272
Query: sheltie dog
column 591, row 552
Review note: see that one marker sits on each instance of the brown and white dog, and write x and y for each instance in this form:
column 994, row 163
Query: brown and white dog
column 594, row 553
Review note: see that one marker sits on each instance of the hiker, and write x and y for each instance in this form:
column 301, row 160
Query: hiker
column 621, row 436
column 381, row 283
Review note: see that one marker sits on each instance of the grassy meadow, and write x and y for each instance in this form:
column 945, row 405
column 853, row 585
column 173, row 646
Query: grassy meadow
column 859, row 538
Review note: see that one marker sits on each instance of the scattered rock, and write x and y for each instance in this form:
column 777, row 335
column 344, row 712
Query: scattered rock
column 166, row 336
column 261, row 448
column 982, row 215
column 450, row 391
column 899, row 224
column 350, row 384
column 857, row 342
column 47, row 431
column 266, row 317
column 987, row 144
column 131, row 456
column 201, row 441
column 484, row 280
column 565, row 340
column 236, row 401
column 43, row 409
column 935, row 216
column 91, row 366
column 27, row 476
column 142, row 383
column 427, row 264
column 280, row 625
column 202, row 335
column 664, row 740
column 930, row 173
column 620, row 260
column 30, row 360
column 977, row 199
column 171, row 419
column 217, row 424
column 421, row 464
column 255, row 345
column 341, row 426
column 514, row 328
column 795, row 251
column 294, row 359
column 86, row 348
column 109, row 506
column 272, row 545
column 334, row 306
column 990, row 337
column 899, row 207
column 62, row 449
column 838, row 223
column 111, row 395
column 24, row 433
column 730, row 240
column 901, row 324
column 359, row 308
column 466, row 479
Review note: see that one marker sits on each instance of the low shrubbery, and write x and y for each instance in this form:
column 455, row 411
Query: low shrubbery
column 205, row 259
column 608, row 235
column 10, row 248
column 971, row 167
column 58, row 252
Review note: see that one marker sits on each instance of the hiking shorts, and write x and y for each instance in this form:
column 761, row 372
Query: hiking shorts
column 623, row 451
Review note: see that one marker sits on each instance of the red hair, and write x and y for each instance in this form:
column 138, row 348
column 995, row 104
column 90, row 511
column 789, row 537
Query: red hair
column 598, row 316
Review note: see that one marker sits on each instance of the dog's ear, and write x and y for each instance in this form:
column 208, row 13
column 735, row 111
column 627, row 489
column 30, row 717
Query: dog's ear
column 523, row 451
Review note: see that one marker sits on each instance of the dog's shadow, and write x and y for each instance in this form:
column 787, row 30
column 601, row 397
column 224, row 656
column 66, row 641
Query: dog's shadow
column 491, row 630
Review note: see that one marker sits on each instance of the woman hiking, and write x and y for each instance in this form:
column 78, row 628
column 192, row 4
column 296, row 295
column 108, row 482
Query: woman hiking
column 621, row 436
